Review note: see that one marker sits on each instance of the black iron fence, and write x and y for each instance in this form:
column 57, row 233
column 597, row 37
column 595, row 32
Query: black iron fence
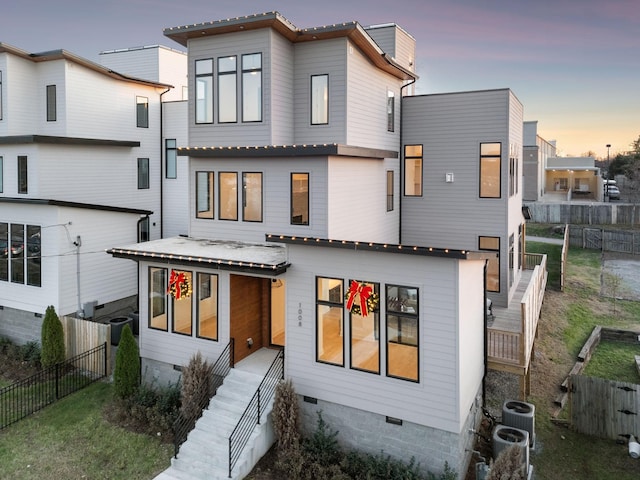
column 251, row 416
column 183, row 424
column 31, row 394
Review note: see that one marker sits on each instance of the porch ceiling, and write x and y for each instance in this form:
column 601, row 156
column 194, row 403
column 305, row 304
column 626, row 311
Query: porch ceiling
column 216, row 254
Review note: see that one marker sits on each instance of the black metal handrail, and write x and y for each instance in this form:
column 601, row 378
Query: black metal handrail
column 183, row 425
column 27, row 396
column 251, row 416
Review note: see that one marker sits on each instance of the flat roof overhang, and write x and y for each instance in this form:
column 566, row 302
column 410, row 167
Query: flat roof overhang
column 326, row 149
column 54, row 140
column 269, row 260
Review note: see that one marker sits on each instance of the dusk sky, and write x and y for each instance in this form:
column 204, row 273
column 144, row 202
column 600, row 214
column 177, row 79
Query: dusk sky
column 574, row 64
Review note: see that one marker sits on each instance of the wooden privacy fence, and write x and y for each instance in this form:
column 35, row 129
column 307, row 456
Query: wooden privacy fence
column 585, row 213
column 83, row 335
column 604, row 408
column 621, row 241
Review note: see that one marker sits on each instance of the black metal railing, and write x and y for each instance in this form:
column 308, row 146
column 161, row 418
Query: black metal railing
column 183, row 425
column 27, row 396
column 251, row 416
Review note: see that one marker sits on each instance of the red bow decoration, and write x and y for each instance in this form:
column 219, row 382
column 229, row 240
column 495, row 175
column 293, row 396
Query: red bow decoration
column 362, row 290
column 178, row 285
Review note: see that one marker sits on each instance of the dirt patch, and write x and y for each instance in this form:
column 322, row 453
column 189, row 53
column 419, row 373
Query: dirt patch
column 620, row 277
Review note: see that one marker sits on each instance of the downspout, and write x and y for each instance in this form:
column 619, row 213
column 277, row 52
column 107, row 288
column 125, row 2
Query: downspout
column 400, row 156
column 486, row 336
column 77, row 244
column 161, row 167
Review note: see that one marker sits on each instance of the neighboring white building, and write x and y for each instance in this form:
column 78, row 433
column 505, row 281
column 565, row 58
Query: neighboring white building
column 80, row 161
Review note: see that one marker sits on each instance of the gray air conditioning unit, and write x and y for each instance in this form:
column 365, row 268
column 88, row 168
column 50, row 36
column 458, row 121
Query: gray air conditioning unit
column 520, row 415
column 504, row 437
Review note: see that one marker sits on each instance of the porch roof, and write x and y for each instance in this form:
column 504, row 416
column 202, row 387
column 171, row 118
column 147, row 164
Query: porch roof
column 216, row 254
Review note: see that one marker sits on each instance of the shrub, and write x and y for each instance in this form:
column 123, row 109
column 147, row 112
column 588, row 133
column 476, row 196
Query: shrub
column 52, row 337
column 126, row 376
column 31, row 353
column 509, row 465
column 197, row 386
column 285, row 416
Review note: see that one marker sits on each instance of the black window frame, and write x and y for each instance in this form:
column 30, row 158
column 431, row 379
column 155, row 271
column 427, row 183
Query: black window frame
column 170, row 158
column 226, row 73
column 244, row 73
column 390, row 190
column 51, row 103
column 421, row 175
column 143, row 173
column 209, row 108
column 376, row 330
column 221, row 176
column 23, row 174
column 142, row 111
column 331, row 303
column 244, row 196
column 291, row 201
column 211, row 188
column 391, row 111
column 399, row 312
column 481, row 167
column 312, row 103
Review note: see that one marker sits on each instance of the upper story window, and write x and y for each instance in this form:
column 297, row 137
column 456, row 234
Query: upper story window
column 143, row 229
column 22, row 174
column 490, row 167
column 227, row 89
column 51, row 103
column 204, row 195
column 204, row 91
column 143, row 173
column 391, row 111
column 513, row 169
column 390, row 199
column 492, row 244
column 142, row 112
column 252, row 87
column 171, row 158
column 319, row 99
column 413, row 170
column 299, row 199
column 252, row 196
column 228, row 191
column 20, row 253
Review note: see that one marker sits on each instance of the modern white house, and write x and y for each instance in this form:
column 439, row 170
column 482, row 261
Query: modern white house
column 80, row 149
column 311, row 192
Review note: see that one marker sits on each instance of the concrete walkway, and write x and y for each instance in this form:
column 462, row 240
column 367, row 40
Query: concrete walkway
column 554, row 241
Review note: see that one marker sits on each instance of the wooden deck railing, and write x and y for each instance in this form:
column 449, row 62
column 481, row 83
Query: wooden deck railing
column 512, row 349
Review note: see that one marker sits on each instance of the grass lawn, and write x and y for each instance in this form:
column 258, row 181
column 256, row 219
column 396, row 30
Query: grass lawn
column 554, row 257
column 70, row 439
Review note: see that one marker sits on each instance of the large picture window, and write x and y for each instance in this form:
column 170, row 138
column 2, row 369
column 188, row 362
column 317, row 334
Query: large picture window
column 17, row 253
column 330, row 320
column 365, row 338
column 319, row 99
column 204, row 91
column 252, row 87
column 142, row 112
column 23, row 183
column 403, row 344
column 158, row 298
column 227, row 90
column 490, row 167
column 204, row 194
column 252, row 196
column 299, row 199
column 492, row 244
column 183, row 309
column 228, row 191
column 20, row 254
column 413, row 170
column 207, row 306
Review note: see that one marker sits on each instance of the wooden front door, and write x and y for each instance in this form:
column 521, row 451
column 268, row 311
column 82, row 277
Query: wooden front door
column 250, row 307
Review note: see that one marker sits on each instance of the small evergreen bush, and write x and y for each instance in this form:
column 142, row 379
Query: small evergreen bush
column 126, row 376
column 52, row 339
column 31, row 353
column 197, row 386
column 285, row 416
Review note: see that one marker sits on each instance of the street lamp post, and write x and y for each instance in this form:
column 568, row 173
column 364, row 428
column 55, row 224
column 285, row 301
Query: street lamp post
column 606, row 185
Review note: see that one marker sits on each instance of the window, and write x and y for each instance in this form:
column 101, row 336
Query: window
column 391, row 111
column 365, row 338
column 204, row 91
column 319, row 99
column 22, row 175
column 492, row 244
column 4, row 252
column 252, row 87
column 299, row 199
column 1, row 174
column 171, row 158
column 17, row 253
column 143, row 229
column 389, row 190
column 204, row 194
column 227, row 88
column 158, row 298
column 413, row 170
column 143, row 173
column 490, row 160
column 402, row 332
column 34, row 274
column 251, row 197
column 182, row 309
column 329, row 321
column 51, row 103
column 228, row 191
column 207, row 325
column 142, row 112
